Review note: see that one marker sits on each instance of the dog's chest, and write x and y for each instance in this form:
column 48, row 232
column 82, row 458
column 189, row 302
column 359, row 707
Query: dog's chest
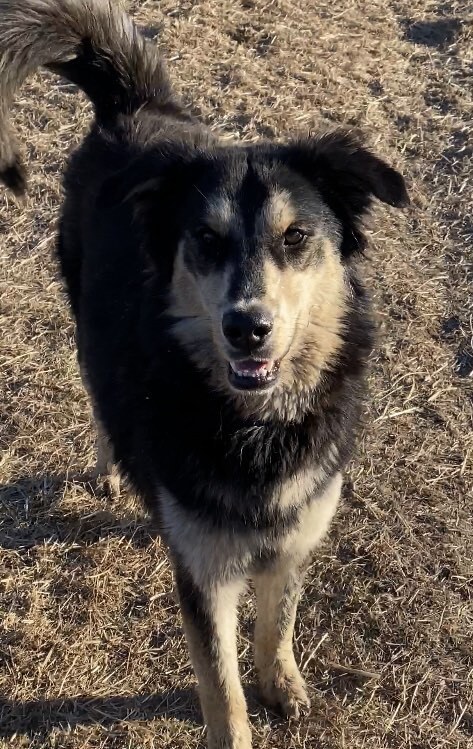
column 215, row 554
column 294, row 491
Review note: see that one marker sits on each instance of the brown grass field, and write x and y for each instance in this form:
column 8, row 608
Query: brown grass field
column 91, row 649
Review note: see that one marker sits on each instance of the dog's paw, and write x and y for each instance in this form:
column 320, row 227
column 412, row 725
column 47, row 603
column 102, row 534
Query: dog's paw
column 112, row 484
column 284, row 691
column 230, row 737
column 106, row 481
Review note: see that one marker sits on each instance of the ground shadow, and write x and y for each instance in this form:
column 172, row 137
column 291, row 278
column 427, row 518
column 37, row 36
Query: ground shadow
column 438, row 33
column 454, row 159
column 32, row 514
column 41, row 716
column 152, row 31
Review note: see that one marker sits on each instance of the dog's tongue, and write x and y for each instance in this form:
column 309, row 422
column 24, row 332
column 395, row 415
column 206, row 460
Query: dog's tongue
column 252, row 368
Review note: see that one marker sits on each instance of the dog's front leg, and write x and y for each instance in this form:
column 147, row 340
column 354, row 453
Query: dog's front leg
column 278, row 590
column 210, row 623
column 105, row 466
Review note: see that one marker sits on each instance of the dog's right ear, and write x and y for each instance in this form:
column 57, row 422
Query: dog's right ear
column 151, row 173
column 143, row 176
column 154, row 187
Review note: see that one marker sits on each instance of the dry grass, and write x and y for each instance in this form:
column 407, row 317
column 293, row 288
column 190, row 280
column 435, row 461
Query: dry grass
column 91, row 647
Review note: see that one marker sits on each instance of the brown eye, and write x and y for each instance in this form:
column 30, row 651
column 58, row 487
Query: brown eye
column 294, row 237
column 207, row 236
column 210, row 243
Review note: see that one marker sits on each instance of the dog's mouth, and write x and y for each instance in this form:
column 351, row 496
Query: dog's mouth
column 253, row 374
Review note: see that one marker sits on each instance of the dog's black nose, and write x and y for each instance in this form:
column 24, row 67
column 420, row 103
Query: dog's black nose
column 247, row 330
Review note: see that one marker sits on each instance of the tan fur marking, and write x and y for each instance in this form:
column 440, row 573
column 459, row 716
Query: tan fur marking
column 314, row 521
column 309, row 307
column 198, row 304
column 216, row 667
column 200, row 297
column 208, row 555
column 278, row 214
column 220, row 215
column 216, row 556
column 211, row 556
column 278, row 591
column 277, row 595
column 297, row 489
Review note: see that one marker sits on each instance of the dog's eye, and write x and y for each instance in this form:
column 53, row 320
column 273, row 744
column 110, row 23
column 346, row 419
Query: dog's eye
column 207, row 237
column 294, row 237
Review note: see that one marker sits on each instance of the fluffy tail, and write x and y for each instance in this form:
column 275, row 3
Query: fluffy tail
column 92, row 43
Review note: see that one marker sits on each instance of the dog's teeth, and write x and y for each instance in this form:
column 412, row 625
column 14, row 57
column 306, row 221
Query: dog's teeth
column 253, row 371
column 258, row 372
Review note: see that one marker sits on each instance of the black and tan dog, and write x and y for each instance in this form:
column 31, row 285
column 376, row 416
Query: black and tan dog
column 221, row 329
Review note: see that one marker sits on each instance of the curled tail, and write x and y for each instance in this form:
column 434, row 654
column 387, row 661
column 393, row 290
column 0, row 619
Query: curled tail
column 92, row 43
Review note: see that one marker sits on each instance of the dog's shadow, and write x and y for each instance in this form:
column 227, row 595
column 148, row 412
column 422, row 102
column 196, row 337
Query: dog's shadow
column 37, row 718
column 31, row 514
column 40, row 717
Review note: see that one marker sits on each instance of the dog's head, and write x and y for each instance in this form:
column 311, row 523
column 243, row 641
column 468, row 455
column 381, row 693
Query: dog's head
column 256, row 240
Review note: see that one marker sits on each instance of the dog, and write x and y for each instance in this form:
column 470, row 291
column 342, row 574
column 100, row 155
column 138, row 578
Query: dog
column 222, row 330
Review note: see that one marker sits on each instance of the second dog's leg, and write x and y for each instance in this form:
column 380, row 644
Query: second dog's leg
column 277, row 593
column 210, row 620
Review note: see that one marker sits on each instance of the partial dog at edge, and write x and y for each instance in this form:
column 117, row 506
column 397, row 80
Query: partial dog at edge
column 222, row 330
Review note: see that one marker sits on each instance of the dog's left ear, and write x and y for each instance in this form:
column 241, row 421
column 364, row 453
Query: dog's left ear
column 347, row 176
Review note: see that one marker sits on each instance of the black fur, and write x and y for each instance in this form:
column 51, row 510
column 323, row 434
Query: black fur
column 132, row 189
column 194, row 605
column 167, row 426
